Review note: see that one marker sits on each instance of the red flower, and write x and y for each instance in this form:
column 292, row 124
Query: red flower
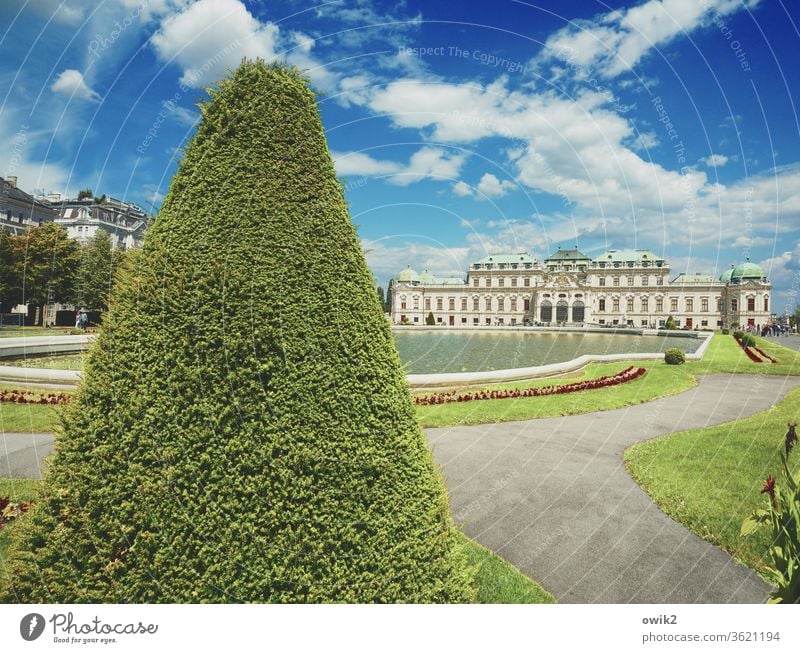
column 769, row 488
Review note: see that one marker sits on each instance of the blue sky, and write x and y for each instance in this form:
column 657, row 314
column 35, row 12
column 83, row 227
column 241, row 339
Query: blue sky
column 459, row 129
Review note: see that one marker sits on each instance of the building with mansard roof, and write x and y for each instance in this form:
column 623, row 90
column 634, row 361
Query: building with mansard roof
column 631, row 287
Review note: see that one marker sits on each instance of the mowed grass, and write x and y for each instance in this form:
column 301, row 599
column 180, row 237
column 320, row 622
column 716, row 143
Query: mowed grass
column 17, row 490
column 710, row 479
column 496, row 580
column 28, row 418
column 61, row 362
column 722, row 356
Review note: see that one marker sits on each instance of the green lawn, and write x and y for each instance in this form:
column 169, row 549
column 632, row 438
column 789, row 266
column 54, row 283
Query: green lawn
column 496, row 580
column 28, row 418
column 710, row 479
column 61, row 362
column 21, row 332
column 722, row 355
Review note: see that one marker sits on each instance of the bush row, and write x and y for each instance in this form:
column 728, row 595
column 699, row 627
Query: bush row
column 20, row 397
column 628, row 374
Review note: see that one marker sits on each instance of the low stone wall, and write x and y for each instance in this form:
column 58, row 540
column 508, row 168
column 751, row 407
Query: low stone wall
column 41, row 346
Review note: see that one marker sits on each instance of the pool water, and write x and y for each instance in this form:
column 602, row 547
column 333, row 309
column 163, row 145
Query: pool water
column 429, row 352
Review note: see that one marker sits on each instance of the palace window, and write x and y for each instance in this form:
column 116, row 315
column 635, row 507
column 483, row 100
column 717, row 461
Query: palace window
column 526, row 304
column 513, row 304
column 602, row 281
column 689, row 304
column 403, row 303
column 630, row 305
column 416, row 303
column 720, row 305
column 501, row 302
column 476, row 282
column 766, row 304
column 659, row 281
column 526, row 282
column 463, row 303
column 602, row 306
column 488, row 282
column 704, row 304
column 616, row 282
column 645, row 305
column 751, row 304
column 451, row 304
column 659, row 305
column 501, row 282
column 630, row 281
column 488, row 302
column 438, row 303
column 616, row 305
column 673, row 304
column 476, row 304
column 734, row 305
column 513, row 281
column 427, row 303
column 645, row 280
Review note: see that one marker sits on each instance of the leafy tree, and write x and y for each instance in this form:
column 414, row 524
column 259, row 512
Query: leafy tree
column 381, row 297
column 100, row 199
column 10, row 277
column 430, row 320
column 243, row 430
column 98, row 265
column 85, row 193
column 670, row 323
column 48, row 262
column 387, row 308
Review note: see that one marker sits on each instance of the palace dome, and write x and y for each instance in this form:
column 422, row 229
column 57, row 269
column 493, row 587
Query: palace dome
column 725, row 277
column 408, row 275
column 427, row 278
column 747, row 271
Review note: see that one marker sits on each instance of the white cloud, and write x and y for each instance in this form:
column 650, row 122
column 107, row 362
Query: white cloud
column 59, row 11
column 388, row 256
column 211, row 36
column 71, row 82
column 462, row 189
column 715, row 160
column 427, row 162
column 491, row 187
column 616, row 41
column 358, row 163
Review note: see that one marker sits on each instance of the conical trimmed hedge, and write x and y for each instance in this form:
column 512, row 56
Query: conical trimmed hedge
column 243, row 431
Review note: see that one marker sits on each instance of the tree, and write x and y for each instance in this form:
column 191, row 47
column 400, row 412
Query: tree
column 98, row 266
column 388, row 306
column 85, row 193
column 381, row 297
column 243, row 430
column 48, row 262
column 10, row 277
column 670, row 323
column 430, row 320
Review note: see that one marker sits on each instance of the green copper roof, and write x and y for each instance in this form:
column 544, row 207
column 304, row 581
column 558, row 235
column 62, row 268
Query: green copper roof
column 448, row 281
column 725, row 277
column 408, row 275
column 567, row 255
column 696, row 278
column 625, row 255
column 426, row 277
column 747, row 270
column 521, row 257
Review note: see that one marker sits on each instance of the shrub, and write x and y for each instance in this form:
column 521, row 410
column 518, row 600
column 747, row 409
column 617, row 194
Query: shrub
column 724, row 331
column 674, row 356
column 747, row 340
column 670, row 323
column 243, row 430
column 782, row 517
column 430, row 320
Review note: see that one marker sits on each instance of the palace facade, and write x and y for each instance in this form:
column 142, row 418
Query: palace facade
column 629, row 287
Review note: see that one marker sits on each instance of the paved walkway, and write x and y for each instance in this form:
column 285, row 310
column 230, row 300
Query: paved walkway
column 22, row 454
column 791, row 341
column 552, row 497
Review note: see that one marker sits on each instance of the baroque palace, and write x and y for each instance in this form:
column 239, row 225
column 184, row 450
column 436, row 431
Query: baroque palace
column 630, row 287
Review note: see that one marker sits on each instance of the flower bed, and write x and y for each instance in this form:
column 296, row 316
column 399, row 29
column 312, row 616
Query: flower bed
column 754, row 353
column 628, row 374
column 19, row 397
column 10, row 510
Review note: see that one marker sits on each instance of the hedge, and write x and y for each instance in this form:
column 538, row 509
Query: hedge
column 674, row 356
column 243, row 431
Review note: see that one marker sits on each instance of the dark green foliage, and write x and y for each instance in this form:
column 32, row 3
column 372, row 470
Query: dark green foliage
column 725, row 332
column 85, row 194
column 381, row 297
column 748, row 340
column 244, row 431
column 96, row 272
column 387, row 308
column 674, row 356
column 430, row 320
column 670, row 323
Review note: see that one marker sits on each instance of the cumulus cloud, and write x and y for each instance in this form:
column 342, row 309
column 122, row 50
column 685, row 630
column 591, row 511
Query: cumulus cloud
column 715, row 160
column 491, row 187
column 614, row 42
column 427, row 162
column 462, row 189
column 71, row 82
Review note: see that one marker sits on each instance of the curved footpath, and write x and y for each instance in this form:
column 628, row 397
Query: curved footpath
column 552, row 497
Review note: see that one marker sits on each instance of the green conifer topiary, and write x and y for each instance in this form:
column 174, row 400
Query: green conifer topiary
column 243, row 431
